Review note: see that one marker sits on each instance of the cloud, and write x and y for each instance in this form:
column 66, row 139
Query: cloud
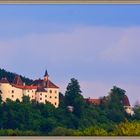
column 126, row 49
column 81, row 45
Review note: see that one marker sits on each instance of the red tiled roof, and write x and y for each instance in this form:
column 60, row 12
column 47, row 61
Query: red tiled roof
column 93, row 101
column 25, row 87
column 47, row 84
column 51, row 85
column 126, row 101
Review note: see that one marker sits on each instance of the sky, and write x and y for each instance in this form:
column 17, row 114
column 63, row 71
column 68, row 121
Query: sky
column 98, row 45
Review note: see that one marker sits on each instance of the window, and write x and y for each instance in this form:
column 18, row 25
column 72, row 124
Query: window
column 12, row 91
column 12, row 96
column 32, row 96
column 55, row 97
column 50, row 96
column 55, row 103
column 45, row 95
column 55, row 91
column 28, row 91
column 45, row 101
column 32, row 91
column 0, row 91
column 40, row 93
column 40, row 98
column 50, row 91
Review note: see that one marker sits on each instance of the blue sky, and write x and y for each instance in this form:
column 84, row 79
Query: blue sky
column 97, row 44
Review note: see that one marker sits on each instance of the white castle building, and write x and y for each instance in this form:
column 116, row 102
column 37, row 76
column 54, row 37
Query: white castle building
column 41, row 90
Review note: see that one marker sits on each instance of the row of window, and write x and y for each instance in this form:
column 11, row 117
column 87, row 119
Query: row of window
column 50, row 97
column 32, row 91
column 40, row 99
column 46, row 96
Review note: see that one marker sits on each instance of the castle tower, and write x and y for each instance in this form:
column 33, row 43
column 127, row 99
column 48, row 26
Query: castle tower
column 46, row 76
column 127, row 105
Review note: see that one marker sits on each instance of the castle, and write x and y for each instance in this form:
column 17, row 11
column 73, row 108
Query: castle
column 41, row 90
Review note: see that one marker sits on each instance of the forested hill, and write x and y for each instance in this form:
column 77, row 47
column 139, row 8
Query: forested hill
column 10, row 76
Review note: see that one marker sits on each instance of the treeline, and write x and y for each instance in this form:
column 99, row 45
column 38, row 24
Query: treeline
column 10, row 76
column 33, row 118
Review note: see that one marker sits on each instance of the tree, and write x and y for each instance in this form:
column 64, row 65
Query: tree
column 137, row 111
column 73, row 97
column 113, row 104
column 0, row 98
column 116, row 96
column 25, row 99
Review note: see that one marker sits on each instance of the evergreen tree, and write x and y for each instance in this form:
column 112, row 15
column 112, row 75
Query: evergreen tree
column 115, row 108
column 73, row 97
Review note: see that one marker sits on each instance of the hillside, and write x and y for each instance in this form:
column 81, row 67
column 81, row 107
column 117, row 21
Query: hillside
column 10, row 76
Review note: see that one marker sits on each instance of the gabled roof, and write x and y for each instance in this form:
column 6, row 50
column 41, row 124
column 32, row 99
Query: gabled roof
column 4, row 80
column 24, row 87
column 126, row 101
column 17, row 80
column 46, row 84
column 93, row 101
column 51, row 84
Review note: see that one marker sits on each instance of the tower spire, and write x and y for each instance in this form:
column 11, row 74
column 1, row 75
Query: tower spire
column 46, row 73
column 46, row 76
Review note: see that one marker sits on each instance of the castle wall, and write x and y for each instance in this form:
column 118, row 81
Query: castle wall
column 30, row 93
column 13, row 93
column 9, row 91
column 52, row 96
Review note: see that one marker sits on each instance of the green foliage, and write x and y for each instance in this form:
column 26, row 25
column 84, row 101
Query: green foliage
column 10, row 76
column 0, row 98
column 137, row 112
column 127, row 129
column 116, row 96
column 74, row 98
column 113, row 105
column 92, row 131
column 33, row 118
column 26, row 99
column 16, row 132
column 60, row 131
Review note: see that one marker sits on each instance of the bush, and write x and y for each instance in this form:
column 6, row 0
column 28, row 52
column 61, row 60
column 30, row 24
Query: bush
column 60, row 131
column 127, row 129
column 16, row 132
column 92, row 131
